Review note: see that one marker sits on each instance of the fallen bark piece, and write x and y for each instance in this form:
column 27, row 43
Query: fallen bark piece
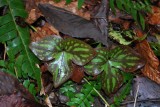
column 71, row 24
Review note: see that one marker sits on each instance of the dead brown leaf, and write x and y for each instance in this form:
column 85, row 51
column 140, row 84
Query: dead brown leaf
column 154, row 17
column 42, row 32
column 78, row 73
column 151, row 68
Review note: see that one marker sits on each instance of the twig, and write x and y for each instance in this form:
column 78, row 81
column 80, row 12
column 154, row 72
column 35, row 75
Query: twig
column 145, row 100
column 5, row 51
column 136, row 96
column 106, row 103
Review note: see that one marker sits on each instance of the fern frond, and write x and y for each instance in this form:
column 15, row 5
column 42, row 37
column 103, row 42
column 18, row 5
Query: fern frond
column 133, row 8
column 17, row 40
column 86, row 96
column 117, row 35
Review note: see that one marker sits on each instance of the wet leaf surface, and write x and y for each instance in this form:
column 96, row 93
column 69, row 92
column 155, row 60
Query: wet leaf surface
column 60, row 68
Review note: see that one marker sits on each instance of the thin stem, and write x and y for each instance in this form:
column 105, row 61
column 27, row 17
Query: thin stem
column 106, row 103
column 136, row 97
column 5, row 51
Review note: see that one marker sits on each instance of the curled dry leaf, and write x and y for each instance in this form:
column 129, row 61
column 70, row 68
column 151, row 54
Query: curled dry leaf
column 151, row 68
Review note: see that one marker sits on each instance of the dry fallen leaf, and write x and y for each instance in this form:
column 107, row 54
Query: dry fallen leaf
column 42, row 32
column 154, row 17
column 78, row 73
column 151, row 68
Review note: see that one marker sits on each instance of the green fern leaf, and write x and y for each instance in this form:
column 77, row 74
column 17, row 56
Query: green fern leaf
column 68, row 1
column 80, row 3
column 17, row 40
column 117, row 35
column 132, row 7
column 86, row 96
column 68, row 89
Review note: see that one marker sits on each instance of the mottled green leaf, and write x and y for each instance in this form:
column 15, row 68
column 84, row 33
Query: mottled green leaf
column 82, row 52
column 60, row 68
column 111, row 79
column 125, row 59
column 112, row 63
column 44, row 48
column 94, row 66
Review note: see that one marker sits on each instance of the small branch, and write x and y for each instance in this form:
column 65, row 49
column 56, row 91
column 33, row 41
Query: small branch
column 5, row 51
column 146, row 100
column 136, row 96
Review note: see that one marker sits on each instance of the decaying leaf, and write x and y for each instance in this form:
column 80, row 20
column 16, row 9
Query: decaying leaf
column 78, row 73
column 42, row 32
column 14, row 94
column 151, row 69
column 100, row 17
column 154, row 18
column 71, row 24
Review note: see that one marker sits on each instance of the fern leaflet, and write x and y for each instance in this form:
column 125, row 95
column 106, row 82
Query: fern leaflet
column 86, row 96
column 17, row 40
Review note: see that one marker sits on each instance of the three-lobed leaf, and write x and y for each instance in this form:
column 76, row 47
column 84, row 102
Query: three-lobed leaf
column 112, row 63
column 64, row 52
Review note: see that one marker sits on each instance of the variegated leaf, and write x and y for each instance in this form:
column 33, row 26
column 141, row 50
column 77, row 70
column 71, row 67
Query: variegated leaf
column 125, row 59
column 112, row 63
column 60, row 68
column 94, row 66
column 82, row 52
column 44, row 48
column 111, row 79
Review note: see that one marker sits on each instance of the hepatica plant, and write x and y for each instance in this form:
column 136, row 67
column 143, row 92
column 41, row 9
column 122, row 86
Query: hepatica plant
column 61, row 53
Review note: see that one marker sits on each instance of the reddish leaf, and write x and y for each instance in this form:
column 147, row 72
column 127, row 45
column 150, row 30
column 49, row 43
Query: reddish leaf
column 151, row 68
column 154, row 18
column 78, row 73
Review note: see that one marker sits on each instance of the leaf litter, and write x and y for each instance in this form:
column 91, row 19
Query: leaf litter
column 151, row 68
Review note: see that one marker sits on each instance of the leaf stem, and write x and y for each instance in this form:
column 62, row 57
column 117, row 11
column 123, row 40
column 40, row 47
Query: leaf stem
column 106, row 103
